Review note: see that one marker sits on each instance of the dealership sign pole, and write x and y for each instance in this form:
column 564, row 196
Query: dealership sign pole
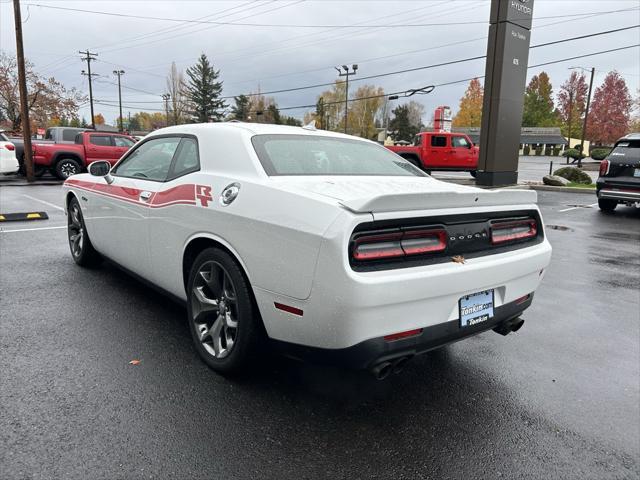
column 505, row 78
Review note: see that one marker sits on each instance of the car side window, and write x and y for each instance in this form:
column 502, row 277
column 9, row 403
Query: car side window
column 100, row 140
column 150, row 161
column 122, row 142
column 186, row 159
column 438, row 141
column 459, row 142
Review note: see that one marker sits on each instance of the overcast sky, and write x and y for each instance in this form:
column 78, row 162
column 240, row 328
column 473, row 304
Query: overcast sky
column 273, row 58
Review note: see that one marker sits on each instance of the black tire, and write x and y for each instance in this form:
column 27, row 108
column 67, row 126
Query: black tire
column 413, row 161
column 80, row 245
column 39, row 171
column 473, row 173
column 66, row 167
column 216, row 277
column 607, row 205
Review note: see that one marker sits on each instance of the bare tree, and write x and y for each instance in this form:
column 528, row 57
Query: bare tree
column 175, row 88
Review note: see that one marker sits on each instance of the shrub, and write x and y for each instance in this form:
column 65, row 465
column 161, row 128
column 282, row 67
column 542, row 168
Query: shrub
column 547, row 151
column 574, row 175
column 526, row 150
column 538, row 150
column 599, row 153
column 556, row 151
column 573, row 153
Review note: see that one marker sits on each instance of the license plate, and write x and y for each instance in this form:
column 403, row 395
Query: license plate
column 636, row 172
column 476, row 308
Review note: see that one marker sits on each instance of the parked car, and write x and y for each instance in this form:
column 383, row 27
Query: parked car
column 317, row 243
column 8, row 160
column 440, row 151
column 619, row 180
column 52, row 135
column 69, row 159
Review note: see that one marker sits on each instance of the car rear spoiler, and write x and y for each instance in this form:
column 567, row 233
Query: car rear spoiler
column 446, row 199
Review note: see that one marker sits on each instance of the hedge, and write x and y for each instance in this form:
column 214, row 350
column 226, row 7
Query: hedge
column 574, row 174
column 526, row 150
column 573, row 153
column 600, row 153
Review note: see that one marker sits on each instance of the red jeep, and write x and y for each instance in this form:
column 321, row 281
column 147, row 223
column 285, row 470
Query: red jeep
column 441, row 151
column 66, row 159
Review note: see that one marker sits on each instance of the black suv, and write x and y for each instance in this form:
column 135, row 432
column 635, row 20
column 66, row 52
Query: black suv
column 619, row 180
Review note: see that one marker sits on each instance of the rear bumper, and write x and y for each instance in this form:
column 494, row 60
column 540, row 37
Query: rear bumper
column 366, row 354
column 617, row 190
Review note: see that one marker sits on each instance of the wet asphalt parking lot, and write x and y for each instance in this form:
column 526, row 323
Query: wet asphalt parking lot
column 558, row 399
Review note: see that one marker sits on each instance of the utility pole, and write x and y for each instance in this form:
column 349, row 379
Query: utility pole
column 119, row 73
column 586, row 116
column 24, row 101
column 346, row 74
column 89, row 57
column 570, row 106
column 166, row 97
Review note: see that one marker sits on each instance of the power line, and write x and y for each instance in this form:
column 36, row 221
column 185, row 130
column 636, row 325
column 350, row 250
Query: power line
column 425, row 67
column 291, row 25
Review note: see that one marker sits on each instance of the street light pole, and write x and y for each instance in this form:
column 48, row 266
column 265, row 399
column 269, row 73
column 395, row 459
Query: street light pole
column 386, row 115
column 346, row 74
column 166, row 97
column 24, row 101
column 119, row 73
column 586, row 116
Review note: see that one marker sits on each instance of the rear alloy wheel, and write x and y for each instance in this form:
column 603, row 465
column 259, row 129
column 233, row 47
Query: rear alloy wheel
column 66, row 168
column 607, row 205
column 222, row 315
column 81, row 248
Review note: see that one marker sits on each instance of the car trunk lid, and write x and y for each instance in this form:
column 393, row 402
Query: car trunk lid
column 384, row 194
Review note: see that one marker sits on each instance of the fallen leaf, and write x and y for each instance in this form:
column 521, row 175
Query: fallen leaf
column 134, row 362
column 458, row 259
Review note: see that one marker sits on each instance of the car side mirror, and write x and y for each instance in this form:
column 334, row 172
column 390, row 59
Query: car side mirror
column 101, row 169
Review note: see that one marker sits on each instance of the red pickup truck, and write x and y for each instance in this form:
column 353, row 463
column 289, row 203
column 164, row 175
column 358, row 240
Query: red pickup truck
column 440, row 151
column 66, row 159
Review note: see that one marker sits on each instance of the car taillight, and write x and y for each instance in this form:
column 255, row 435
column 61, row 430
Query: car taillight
column 399, row 244
column 604, row 167
column 513, row 230
column 9, row 146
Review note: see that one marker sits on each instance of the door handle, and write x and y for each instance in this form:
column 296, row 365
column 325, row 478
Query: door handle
column 145, row 196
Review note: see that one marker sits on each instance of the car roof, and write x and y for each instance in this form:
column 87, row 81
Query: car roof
column 249, row 129
column 630, row 136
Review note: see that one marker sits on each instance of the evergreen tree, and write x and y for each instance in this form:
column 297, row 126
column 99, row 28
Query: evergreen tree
column 273, row 114
column 240, row 111
column 400, row 126
column 320, row 115
column 83, row 123
column 203, row 92
column 470, row 111
column 538, row 103
column 292, row 121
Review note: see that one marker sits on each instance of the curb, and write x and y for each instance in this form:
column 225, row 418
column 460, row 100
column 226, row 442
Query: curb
column 549, row 188
column 21, row 217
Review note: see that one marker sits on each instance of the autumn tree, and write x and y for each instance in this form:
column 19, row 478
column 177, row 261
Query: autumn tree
column 240, row 111
column 571, row 104
column 416, row 112
column 470, row 110
column 203, row 91
column 538, row 103
column 176, row 88
column 47, row 97
column 332, row 108
column 367, row 101
column 610, row 110
column 634, row 123
column 98, row 119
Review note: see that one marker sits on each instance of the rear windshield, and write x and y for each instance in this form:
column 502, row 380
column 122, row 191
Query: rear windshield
column 319, row 155
column 626, row 150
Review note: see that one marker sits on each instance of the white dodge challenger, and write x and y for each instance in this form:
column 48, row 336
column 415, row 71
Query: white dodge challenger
column 319, row 244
